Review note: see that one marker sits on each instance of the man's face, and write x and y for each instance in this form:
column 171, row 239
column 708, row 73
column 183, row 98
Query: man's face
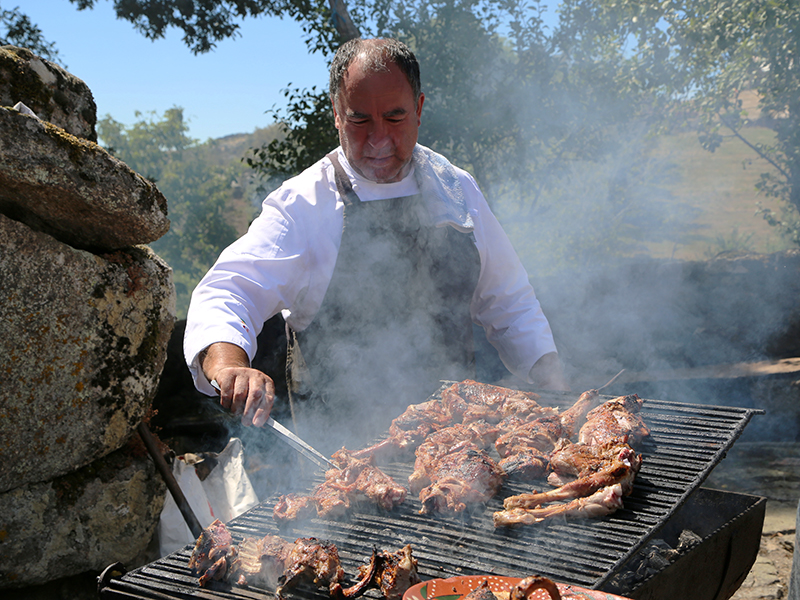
column 378, row 120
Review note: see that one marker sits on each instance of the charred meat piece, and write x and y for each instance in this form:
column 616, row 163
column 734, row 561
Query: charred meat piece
column 470, row 400
column 570, row 460
column 482, row 592
column 459, row 479
column 394, row 573
column 294, row 507
column 311, row 560
column 526, row 444
column 409, row 430
column 213, row 553
column 615, row 421
column 356, row 479
column 261, row 562
column 360, row 478
column 573, row 418
column 523, row 589
column 538, row 434
column 525, row 464
column 478, row 435
column 603, row 502
column 618, row 466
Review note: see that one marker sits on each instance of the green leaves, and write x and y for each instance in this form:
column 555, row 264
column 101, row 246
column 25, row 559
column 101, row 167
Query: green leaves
column 200, row 191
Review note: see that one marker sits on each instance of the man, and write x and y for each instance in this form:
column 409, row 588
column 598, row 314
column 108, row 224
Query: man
column 380, row 257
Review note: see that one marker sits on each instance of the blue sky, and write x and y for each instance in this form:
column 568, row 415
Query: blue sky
column 222, row 92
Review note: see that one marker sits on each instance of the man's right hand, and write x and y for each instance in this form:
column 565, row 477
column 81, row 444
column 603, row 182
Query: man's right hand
column 242, row 390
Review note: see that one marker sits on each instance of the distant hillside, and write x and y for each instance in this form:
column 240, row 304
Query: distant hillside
column 721, row 185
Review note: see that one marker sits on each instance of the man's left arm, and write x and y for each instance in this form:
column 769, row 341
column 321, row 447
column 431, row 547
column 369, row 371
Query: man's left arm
column 505, row 303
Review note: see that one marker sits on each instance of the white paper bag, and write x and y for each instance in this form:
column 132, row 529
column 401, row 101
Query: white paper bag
column 224, row 494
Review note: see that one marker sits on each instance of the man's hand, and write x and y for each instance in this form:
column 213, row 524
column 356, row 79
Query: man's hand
column 242, row 390
column 548, row 374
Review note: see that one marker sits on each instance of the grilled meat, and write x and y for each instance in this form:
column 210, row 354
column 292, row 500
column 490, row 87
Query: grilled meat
column 617, row 466
column 213, row 553
column 409, row 430
column 525, row 464
column 394, row 573
column 482, row 592
column 539, row 434
column 470, row 400
column 616, row 420
column 524, row 588
column 459, row 479
column 311, row 560
column 354, row 480
column 294, row 507
column 261, row 561
column 478, row 435
column 603, row 502
column 574, row 417
column 526, row 444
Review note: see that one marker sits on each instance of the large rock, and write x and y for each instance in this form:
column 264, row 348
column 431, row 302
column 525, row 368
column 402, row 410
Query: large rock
column 83, row 339
column 48, row 90
column 84, row 521
column 73, row 189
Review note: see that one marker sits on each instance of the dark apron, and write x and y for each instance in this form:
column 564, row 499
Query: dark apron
column 394, row 321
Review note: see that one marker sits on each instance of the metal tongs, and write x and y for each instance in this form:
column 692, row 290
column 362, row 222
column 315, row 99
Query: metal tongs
column 295, row 442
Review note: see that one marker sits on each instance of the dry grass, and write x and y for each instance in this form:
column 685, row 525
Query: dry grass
column 722, row 186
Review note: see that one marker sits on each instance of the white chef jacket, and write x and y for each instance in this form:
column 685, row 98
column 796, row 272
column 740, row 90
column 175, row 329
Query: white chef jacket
column 286, row 259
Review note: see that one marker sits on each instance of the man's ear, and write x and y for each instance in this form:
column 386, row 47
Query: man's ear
column 420, row 102
column 335, row 114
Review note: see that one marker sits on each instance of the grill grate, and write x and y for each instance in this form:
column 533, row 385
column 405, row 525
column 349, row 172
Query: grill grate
column 687, row 441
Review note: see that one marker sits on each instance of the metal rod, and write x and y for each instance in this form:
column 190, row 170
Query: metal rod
column 169, row 479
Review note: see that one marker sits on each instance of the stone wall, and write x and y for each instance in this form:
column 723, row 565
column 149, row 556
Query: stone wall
column 86, row 312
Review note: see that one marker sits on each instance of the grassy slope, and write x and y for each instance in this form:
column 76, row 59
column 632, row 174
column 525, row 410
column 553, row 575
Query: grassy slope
column 722, row 185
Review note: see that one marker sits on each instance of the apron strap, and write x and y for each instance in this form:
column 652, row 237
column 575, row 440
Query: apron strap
column 343, row 184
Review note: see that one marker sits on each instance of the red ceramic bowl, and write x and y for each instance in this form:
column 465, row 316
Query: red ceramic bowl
column 455, row 587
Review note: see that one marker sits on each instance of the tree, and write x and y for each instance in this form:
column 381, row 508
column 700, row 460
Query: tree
column 17, row 29
column 707, row 53
column 198, row 191
column 206, row 22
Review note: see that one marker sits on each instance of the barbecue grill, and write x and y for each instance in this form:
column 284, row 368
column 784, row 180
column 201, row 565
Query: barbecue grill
column 687, row 441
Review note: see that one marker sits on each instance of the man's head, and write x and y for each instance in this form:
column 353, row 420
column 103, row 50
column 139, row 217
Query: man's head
column 377, row 103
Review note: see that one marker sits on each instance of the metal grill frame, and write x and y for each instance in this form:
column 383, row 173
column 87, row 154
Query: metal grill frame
column 687, row 441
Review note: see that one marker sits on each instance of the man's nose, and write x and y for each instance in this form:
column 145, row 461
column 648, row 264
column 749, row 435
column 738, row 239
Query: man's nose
column 379, row 136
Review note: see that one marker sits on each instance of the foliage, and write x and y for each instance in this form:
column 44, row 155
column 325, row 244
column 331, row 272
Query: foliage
column 708, row 52
column 734, row 244
column 206, row 22
column 198, row 191
column 309, row 133
column 17, row 29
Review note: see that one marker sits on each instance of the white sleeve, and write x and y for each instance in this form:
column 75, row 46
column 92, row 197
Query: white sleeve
column 504, row 303
column 266, row 271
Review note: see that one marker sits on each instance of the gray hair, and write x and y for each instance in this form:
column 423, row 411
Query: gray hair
column 377, row 54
